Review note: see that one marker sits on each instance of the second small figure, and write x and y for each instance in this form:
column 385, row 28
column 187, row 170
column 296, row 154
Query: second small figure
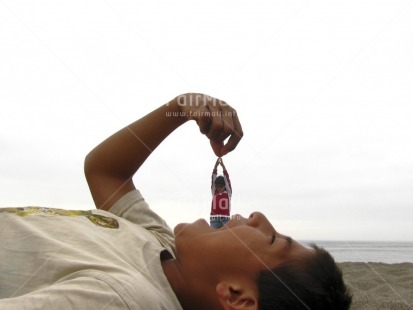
column 221, row 196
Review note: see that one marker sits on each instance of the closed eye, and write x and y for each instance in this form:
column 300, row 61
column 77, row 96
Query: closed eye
column 273, row 238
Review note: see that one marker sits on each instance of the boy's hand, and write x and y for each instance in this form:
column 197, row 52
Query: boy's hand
column 222, row 164
column 217, row 163
column 215, row 118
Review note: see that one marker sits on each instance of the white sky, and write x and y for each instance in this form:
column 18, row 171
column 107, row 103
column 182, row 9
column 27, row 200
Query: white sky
column 323, row 90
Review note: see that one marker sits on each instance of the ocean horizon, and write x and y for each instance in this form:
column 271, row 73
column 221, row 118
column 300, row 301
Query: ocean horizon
column 389, row 252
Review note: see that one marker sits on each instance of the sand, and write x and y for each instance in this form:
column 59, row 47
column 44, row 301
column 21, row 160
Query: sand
column 380, row 286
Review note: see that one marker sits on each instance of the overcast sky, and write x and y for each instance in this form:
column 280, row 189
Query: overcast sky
column 323, row 90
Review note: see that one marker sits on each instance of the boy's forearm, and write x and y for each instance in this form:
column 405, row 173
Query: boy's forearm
column 125, row 151
column 118, row 157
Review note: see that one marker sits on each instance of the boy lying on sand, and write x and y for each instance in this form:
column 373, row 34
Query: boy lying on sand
column 123, row 255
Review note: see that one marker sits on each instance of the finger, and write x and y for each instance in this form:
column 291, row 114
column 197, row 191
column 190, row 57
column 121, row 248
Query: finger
column 227, row 123
column 217, row 147
column 235, row 137
column 216, row 125
column 220, row 127
column 203, row 119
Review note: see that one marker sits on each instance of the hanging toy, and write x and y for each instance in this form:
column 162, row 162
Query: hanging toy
column 221, row 196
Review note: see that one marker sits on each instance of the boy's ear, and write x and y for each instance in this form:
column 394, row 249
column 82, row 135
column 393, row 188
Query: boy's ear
column 235, row 297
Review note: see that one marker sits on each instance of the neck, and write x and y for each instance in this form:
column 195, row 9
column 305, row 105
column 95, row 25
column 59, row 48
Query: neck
column 184, row 289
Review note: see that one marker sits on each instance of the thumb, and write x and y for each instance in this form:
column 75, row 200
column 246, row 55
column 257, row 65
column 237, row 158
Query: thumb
column 217, row 147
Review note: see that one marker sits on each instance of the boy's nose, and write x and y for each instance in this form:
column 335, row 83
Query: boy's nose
column 255, row 219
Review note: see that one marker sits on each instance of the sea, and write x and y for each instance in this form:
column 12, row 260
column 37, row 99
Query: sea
column 369, row 251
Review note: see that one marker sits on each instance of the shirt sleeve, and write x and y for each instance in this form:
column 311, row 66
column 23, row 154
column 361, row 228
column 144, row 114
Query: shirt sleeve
column 134, row 208
column 213, row 177
column 228, row 183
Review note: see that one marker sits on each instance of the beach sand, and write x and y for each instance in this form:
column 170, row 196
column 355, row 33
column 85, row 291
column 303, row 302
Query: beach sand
column 379, row 286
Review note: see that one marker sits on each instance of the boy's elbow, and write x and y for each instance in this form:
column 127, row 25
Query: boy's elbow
column 89, row 166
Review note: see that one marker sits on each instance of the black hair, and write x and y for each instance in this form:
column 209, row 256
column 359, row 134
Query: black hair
column 316, row 283
column 219, row 180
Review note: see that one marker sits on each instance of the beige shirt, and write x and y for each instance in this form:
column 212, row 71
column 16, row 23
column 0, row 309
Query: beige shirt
column 61, row 259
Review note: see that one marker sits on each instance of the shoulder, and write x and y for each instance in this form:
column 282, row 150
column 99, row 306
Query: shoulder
column 133, row 207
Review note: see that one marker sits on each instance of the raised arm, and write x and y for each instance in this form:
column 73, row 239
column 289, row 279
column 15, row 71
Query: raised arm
column 214, row 175
column 221, row 162
column 227, row 179
column 217, row 163
column 110, row 166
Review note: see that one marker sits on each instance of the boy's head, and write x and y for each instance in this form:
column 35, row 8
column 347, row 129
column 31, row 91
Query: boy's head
column 248, row 262
column 219, row 183
column 219, row 180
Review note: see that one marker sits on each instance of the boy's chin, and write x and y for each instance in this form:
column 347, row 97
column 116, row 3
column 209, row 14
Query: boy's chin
column 198, row 225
